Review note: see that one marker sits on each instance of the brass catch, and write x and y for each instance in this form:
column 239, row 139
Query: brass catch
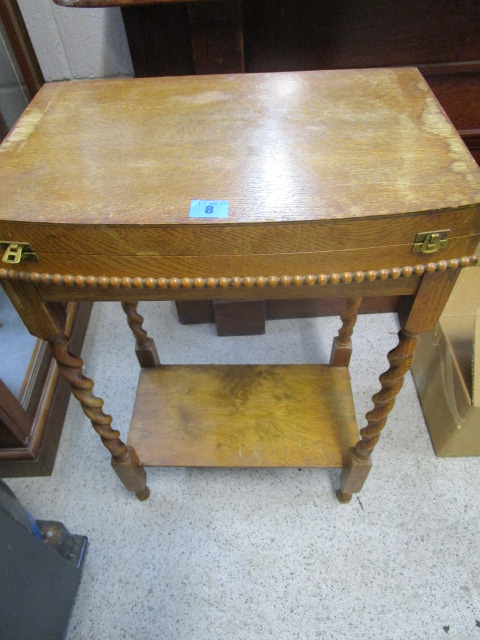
column 15, row 252
column 430, row 241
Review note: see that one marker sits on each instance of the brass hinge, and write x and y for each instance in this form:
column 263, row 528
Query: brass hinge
column 15, row 252
column 430, row 241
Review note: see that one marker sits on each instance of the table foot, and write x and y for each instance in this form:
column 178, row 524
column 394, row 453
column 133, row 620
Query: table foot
column 143, row 495
column 353, row 476
column 132, row 474
column 344, row 498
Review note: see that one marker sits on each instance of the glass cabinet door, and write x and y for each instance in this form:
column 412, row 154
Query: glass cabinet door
column 19, row 351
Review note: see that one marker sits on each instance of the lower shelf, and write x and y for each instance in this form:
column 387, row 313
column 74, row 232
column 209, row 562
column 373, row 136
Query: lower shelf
column 243, row 416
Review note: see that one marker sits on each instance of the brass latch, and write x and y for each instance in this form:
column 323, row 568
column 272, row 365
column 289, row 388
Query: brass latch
column 430, row 241
column 17, row 251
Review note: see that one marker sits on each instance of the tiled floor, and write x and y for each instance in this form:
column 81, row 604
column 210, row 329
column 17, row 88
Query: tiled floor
column 254, row 554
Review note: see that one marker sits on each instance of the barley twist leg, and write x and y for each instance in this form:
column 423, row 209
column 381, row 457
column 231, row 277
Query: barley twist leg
column 124, row 459
column 342, row 344
column 400, row 360
column 144, row 346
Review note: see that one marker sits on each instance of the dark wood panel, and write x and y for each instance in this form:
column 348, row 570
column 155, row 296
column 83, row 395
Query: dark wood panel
column 14, row 423
column 114, row 3
column 3, row 128
column 247, row 323
column 476, row 154
column 310, row 308
column 198, row 312
column 217, row 36
column 287, row 35
column 244, row 318
column 459, row 95
column 159, row 40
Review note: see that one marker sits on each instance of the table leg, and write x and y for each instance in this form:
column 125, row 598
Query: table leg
column 420, row 314
column 145, row 348
column 125, row 461
column 342, row 344
column 400, row 359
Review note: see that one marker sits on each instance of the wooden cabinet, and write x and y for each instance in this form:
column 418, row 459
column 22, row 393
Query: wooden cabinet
column 31, row 423
column 34, row 402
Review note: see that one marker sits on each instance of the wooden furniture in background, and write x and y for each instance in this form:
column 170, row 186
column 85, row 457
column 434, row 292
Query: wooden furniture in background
column 277, row 146
column 18, row 37
column 3, row 128
column 31, row 424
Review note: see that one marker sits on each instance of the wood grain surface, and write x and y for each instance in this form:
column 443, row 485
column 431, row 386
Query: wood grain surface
column 279, row 147
column 243, row 416
column 221, row 266
column 241, row 239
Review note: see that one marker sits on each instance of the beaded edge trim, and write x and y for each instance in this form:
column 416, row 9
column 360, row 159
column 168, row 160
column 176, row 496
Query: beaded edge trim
column 236, row 282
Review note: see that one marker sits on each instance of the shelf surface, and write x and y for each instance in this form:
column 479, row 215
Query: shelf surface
column 243, row 416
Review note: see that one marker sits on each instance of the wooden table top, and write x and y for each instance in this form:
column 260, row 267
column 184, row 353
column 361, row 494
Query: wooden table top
column 279, row 147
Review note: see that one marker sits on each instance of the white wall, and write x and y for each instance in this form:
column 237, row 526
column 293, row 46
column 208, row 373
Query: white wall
column 77, row 43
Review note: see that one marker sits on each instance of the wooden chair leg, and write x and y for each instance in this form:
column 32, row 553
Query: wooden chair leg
column 145, row 348
column 342, row 344
column 400, row 360
column 124, row 459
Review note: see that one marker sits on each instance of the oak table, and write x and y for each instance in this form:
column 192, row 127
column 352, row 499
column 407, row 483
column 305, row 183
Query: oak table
column 330, row 184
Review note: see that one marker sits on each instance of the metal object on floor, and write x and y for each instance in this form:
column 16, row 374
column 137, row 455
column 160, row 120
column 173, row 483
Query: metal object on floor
column 42, row 565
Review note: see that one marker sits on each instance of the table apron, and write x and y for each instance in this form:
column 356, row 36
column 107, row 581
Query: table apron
column 401, row 286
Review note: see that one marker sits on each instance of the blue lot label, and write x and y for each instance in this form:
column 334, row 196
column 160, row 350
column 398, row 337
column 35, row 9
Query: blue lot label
column 208, row 209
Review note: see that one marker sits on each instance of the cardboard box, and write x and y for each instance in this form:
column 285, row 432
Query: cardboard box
column 447, row 374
